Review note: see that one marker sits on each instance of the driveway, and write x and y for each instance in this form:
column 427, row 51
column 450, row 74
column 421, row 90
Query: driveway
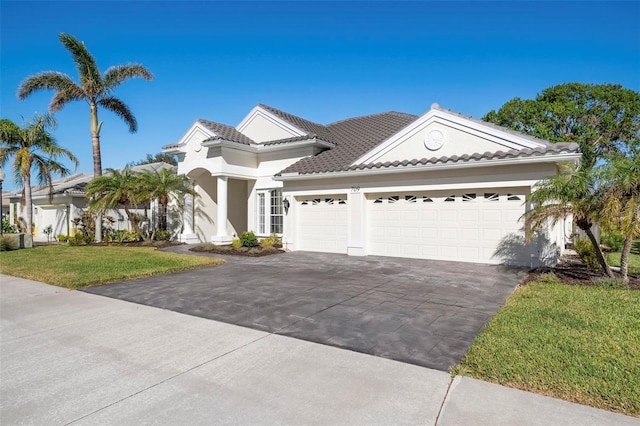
column 421, row 312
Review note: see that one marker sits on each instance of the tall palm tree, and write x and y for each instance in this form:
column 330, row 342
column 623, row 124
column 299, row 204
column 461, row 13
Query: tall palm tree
column 572, row 192
column 115, row 189
column 94, row 88
column 164, row 185
column 32, row 147
column 621, row 200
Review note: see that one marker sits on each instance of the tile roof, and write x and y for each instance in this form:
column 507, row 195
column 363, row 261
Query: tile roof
column 353, row 137
column 223, row 132
column 294, row 139
column 307, row 126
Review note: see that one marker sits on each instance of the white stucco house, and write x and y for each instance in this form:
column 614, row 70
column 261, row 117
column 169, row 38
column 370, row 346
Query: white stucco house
column 67, row 202
column 436, row 186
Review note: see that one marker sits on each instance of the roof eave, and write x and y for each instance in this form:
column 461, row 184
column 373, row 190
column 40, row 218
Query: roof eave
column 553, row 158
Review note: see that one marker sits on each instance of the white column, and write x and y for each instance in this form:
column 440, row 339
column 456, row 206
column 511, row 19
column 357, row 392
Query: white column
column 221, row 222
column 188, row 236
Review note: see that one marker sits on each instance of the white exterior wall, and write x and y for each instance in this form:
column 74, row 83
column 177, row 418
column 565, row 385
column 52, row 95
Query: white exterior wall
column 262, row 128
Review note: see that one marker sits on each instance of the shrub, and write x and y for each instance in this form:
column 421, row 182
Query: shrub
column 271, row 241
column 7, row 243
column 236, row 243
column 62, row 238
column 613, row 239
column 8, row 228
column 79, row 239
column 587, row 254
column 249, row 239
column 615, row 283
column 163, row 235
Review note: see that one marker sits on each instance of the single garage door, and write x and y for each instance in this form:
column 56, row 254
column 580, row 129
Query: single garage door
column 322, row 224
column 463, row 226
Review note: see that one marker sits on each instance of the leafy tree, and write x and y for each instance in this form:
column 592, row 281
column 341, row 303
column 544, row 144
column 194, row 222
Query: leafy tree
column 164, row 185
column 160, row 157
column 94, row 88
column 113, row 190
column 33, row 148
column 570, row 192
column 621, row 200
column 601, row 118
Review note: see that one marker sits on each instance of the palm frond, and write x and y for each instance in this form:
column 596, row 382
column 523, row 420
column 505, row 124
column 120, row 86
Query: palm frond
column 119, row 108
column 66, row 95
column 48, row 80
column 115, row 75
column 88, row 71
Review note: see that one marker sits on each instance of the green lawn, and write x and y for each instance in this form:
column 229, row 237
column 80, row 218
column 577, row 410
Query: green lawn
column 581, row 344
column 634, row 259
column 81, row 266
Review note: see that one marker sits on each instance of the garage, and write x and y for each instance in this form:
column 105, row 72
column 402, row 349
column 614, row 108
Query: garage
column 465, row 226
column 322, row 223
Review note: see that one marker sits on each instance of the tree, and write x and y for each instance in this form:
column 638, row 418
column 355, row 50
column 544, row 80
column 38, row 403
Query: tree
column 160, row 157
column 33, row 148
column 602, row 118
column 164, row 185
column 94, row 89
column 115, row 189
column 572, row 192
column 621, row 200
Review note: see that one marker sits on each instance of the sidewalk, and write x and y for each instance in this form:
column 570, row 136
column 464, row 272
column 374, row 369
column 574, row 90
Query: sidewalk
column 72, row 357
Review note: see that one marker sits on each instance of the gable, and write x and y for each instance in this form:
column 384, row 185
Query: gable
column 262, row 126
column 191, row 142
column 441, row 134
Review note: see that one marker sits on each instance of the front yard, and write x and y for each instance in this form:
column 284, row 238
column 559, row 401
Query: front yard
column 634, row 259
column 577, row 343
column 81, row 266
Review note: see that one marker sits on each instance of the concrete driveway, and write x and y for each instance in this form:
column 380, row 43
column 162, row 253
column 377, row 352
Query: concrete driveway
column 421, row 312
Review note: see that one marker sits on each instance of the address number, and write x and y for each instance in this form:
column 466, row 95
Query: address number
column 355, row 189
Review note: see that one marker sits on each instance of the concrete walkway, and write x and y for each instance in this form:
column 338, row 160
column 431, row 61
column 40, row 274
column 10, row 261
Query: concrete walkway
column 72, row 357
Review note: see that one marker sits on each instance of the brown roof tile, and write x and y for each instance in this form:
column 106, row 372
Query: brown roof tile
column 225, row 132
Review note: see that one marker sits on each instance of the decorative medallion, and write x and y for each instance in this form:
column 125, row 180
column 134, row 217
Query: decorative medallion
column 434, row 140
column 197, row 146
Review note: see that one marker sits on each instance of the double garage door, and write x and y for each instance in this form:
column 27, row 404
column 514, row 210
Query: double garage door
column 468, row 226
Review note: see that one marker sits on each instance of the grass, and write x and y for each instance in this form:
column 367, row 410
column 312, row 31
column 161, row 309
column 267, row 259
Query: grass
column 613, row 258
column 81, row 266
column 580, row 344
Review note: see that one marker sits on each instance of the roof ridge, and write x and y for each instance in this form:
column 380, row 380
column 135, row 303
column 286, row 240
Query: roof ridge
column 282, row 112
column 398, row 113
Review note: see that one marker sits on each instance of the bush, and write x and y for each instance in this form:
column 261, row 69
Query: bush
column 163, row 235
column 612, row 239
column 587, row 254
column 80, row 239
column 7, row 243
column 271, row 241
column 249, row 239
column 236, row 243
column 614, row 283
column 8, row 228
column 62, row 238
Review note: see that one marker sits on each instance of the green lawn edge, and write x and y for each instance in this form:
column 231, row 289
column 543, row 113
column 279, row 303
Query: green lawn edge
column 579, row 344
column 75, row 267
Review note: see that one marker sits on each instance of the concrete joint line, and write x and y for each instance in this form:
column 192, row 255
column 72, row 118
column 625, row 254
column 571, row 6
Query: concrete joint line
column 168, row 379
column 452, row 383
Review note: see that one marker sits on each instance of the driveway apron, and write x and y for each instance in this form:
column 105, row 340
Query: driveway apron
column 422, row 312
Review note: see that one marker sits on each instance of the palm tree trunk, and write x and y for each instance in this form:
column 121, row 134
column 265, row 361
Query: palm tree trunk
column 599, row 254
column 133, row 223
column 97, row 160
column 624, row 258
column 28, row 203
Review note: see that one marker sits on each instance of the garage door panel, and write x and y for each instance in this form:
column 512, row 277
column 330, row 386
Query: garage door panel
column 322, row 224
column 469, row 228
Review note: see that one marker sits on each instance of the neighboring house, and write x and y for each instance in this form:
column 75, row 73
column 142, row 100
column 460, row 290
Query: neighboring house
column 436, row 186
column 69, row 202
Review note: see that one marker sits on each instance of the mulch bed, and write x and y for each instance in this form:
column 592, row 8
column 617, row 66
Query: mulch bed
column 571, row 273
column 241, row 251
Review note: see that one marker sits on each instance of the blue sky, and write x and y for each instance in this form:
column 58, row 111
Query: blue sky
column 324, row 61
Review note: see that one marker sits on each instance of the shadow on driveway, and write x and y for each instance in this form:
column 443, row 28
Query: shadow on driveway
column 422, row 312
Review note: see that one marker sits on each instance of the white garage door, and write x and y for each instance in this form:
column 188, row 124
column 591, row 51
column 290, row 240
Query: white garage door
column 54, row 216
column 464, row 226
column 322, row 224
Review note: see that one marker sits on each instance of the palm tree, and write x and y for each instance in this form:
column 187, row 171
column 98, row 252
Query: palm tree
column 115, row 189
column 572, row 192
column 32, row 147
column 94, row 89
column 621, row 201
column 164, row 185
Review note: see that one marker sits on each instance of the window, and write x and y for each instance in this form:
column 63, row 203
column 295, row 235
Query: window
column 410, row 198
column 468, row 197
column 513, row 197
column 450, row 198
column 491, row 196
column 270, row 212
